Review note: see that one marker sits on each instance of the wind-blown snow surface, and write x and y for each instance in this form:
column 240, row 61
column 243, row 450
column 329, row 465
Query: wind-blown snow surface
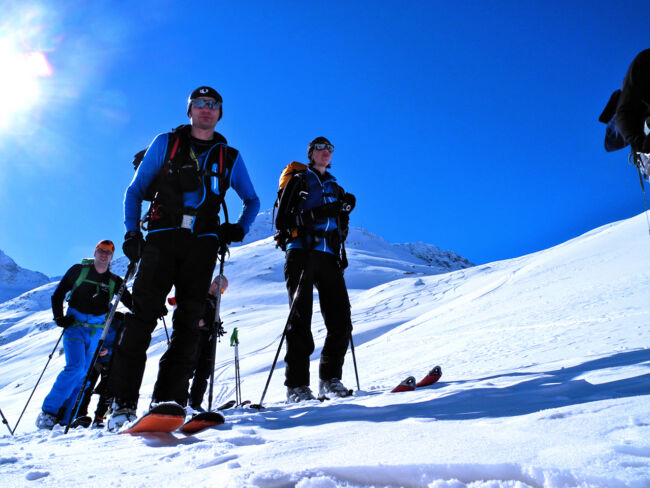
column 546, row 381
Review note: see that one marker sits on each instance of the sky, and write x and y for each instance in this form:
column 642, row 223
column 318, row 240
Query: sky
column 470, row 126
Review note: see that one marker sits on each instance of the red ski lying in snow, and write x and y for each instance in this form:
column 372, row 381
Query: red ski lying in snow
column 409, row 383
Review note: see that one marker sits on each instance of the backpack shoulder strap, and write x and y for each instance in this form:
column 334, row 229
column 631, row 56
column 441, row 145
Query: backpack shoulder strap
column 83, row 274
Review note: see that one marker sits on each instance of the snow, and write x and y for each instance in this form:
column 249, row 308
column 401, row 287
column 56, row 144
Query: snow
column 15, row 280
column 546, row 379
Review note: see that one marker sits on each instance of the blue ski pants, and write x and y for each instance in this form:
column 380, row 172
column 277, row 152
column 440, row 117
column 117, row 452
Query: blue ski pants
column 79, row 344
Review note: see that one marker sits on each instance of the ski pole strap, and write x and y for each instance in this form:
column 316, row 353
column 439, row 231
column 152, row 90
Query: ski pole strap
column 234, row 338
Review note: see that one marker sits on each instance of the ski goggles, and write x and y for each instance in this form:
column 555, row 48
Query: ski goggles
column 202, row 102
column 322, row 145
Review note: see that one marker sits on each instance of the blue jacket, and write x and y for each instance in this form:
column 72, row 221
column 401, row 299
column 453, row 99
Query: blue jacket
column 150, row 167
column 321, row 190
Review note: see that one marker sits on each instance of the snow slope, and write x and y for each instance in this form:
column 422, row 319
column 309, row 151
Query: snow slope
column 15, row 280
column 546, row 381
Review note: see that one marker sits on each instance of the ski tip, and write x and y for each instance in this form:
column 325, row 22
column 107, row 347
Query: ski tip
column 433, row 376
column 407, row 385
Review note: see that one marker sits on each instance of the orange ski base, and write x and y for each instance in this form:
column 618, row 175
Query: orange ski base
column 156, row 423
column 199, row 425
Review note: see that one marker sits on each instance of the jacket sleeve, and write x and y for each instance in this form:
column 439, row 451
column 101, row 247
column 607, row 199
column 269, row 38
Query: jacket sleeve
column 634, row 101
column 241, row 183
column 144, row 176
column 64, row 286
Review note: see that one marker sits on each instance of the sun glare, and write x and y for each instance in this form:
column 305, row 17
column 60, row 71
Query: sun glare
column 19, row 85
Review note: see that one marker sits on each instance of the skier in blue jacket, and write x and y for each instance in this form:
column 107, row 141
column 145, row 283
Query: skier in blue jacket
column 185, row 174
column 313, row 214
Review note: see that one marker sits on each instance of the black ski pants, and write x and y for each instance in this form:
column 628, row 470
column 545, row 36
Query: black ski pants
column 104, row 401
column 203, row 368
column 170, row 258
column 321, row 269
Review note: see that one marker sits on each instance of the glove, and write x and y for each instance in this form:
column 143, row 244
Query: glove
column 308, row 217
column 348, row 202
column 133, row 245
column 328, row 210
column 230, row 233
column 65, row 321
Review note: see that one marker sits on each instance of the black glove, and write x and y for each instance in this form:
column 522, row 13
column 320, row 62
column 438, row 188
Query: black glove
column 348, row 202
column 65, row 321
column 230, row 233
column 328, row 210
column 133, row 245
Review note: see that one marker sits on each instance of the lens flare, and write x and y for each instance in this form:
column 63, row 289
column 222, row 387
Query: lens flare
column 22, row 70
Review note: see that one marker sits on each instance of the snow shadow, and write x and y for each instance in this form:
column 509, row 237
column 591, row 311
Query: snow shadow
column 525, row 393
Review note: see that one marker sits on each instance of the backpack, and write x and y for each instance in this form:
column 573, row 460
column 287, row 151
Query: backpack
column 86, row 263
column 172, row 147
column 190, row 175
column 283, row 235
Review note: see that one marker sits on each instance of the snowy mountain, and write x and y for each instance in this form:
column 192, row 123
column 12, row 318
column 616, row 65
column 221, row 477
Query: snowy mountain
column 372, row 260
column 545, row 359
column 15, row 280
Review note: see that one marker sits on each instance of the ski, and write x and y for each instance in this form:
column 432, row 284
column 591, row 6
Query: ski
column 233, row 404
column 433, row 376
column 406, row 385
column 163, row 417
column 409, row 383
column 202, row 421
column 227, row 405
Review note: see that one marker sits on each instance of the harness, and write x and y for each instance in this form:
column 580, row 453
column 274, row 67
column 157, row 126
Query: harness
column 300, row 199
column 109, row 287
column 86, row 263
column 183, row 172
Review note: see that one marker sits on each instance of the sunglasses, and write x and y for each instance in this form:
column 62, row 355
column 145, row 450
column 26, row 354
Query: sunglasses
column 202, row 102
column 104, row 251
column 321, row 145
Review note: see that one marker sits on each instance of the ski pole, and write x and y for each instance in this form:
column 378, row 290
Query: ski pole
column 637, row 160
column 4, row 421
column 107, row 325
column 218, row 324
column 292, row 311
column 234, row 342
column 354, row 361
column 38, row 381
column 165, row 326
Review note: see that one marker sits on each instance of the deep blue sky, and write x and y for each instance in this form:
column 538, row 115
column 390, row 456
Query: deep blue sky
column 470, row 126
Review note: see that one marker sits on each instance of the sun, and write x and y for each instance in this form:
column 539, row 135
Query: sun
column 20, row 82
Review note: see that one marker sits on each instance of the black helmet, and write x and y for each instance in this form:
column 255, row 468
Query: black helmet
column 205, row 91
